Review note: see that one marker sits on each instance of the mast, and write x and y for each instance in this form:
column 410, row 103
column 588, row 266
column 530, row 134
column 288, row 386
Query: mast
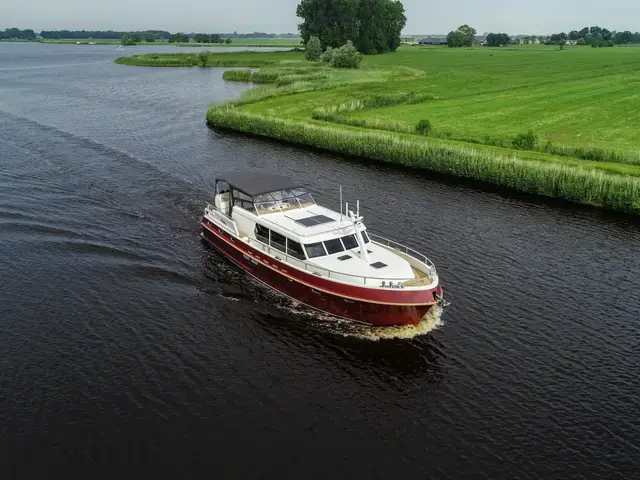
column 357, row 222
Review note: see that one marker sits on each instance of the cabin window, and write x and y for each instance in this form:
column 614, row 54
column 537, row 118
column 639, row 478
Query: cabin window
column 349, row 242
column 315, row 250
column 278, row 241
column 295, row 249
column 366, row 237
column 333, row 246
column 262, row 234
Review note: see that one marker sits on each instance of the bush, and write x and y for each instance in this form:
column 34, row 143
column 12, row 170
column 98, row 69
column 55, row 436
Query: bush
column 327, row 55
column 581, row 41
column 525, row 141
column 228, row 41
column 314, row 50
column 202, row 58
column 346, row 57
column 424, row 127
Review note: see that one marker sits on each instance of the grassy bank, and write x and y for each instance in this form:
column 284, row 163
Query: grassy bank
column 580, row 104
column 231, row 59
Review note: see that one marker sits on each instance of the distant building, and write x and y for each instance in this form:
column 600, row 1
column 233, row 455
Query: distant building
column 571, row 42
column 433, row 40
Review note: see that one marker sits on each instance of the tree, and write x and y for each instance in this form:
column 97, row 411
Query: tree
column 581, row 41
column 179, row 38
column 574, row 35
column 558, row 38
column 462, row 37
column 347, row 56
column 498, row 39
column 135, row 37
column 395, row 20
column 313, row 50
column 125, row 40
column 202, row 38
column 228, row 41
column 455, row 39
column 374, row 26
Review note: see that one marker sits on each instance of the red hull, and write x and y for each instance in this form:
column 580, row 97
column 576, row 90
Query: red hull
column 373, row 306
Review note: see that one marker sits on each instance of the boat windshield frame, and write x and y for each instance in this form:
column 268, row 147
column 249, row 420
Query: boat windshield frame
column 262, row 193
column 280, row 201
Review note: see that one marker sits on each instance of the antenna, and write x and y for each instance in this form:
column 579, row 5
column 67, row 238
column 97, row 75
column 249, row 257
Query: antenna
column 358, row 208
column 341, row 203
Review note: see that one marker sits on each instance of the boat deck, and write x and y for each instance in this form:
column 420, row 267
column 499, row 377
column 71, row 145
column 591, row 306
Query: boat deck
column 420, row 279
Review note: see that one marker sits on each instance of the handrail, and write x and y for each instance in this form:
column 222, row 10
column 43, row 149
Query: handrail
column 212, row 209
column 398, row 246
column 325, row 272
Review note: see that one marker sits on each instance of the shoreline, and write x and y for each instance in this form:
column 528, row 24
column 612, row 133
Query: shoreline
column 614, row 186
column 262, row 44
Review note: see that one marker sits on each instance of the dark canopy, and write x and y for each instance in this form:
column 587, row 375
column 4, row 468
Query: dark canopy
column 255, row 183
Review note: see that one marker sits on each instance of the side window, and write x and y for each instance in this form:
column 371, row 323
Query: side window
column 295, row 249
column 333, row 246
column 366, row 237
column 262, row 234
column 278, row 241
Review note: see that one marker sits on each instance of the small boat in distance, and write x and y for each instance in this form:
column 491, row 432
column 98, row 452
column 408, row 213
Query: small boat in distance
column 272, row 228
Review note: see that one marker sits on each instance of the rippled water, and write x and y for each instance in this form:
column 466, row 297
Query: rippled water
column 123, row 340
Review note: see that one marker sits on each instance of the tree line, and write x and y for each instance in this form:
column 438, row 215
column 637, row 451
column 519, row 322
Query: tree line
column 373, row 26
column 595, row 36
column 102, row 34
column 206, row 38
column 17, row 34
column 135, row 36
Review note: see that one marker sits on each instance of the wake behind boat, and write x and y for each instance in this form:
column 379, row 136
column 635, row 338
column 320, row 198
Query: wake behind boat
column 272, row 228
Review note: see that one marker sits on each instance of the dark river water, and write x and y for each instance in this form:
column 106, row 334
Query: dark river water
column 124, row 341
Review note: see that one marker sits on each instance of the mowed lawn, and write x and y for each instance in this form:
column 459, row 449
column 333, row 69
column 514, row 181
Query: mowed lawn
column 578, row 96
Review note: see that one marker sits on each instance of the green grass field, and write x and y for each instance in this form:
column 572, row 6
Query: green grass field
column 582, row 105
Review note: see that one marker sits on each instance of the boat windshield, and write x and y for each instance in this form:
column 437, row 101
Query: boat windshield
column 282, row 200
column 336, row 245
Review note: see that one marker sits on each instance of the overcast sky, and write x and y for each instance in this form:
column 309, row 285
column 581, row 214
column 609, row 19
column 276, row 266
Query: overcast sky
column 278, row 16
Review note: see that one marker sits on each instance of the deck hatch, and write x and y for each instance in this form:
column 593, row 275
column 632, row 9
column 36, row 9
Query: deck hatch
column 344, row 257
column 314, row 220
column 378, row 265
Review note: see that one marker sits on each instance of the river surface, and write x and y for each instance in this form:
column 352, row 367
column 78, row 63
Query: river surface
column 123, row 340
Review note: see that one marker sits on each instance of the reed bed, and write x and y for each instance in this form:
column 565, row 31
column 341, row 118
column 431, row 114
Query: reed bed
column 278, row 76
column 570, row 182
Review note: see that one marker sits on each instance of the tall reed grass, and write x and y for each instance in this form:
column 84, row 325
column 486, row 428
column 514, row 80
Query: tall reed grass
column 574, row 183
